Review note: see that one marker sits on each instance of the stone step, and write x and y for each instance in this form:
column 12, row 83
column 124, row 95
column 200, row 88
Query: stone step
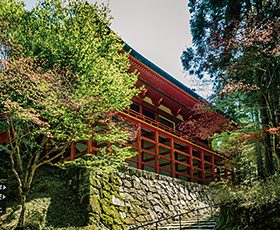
column 193, row 221
column 209, row 226
column 188, row 228
column 194, row 218
column 190, row 224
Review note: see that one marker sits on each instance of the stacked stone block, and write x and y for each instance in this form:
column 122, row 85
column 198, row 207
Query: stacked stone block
column 131, row 197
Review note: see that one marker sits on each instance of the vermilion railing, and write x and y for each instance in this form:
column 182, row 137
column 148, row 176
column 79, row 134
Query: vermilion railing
column 154, row 122
column 196, row 162
column 162, row 126
column 199, row 157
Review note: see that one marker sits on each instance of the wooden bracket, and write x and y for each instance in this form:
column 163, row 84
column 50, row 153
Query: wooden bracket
column 176, row 113
column 143, row 93
column 158, row 102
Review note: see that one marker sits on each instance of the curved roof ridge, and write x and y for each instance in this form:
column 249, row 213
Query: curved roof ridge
column 161, row 72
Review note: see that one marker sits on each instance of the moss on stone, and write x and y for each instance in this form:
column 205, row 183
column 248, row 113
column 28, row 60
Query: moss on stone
column 94, row 204
column 107, row 220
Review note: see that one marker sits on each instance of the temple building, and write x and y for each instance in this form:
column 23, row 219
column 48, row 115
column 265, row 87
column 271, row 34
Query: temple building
column 157, row 111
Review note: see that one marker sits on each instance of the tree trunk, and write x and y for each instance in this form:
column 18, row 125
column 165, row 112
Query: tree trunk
column 275, row 95
column 260, row 160
column 25, row 189
column 21, row 219
column 268, row 157
column 276, row 148
column 265, row 121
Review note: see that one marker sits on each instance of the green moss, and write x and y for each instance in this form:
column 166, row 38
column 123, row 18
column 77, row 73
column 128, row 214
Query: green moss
column 95, row 205
column 129, row 221
column 95, row 182
column 107, row 194
column 94, row 219
column 117, row 227
column 106, row 187
column 107, row 220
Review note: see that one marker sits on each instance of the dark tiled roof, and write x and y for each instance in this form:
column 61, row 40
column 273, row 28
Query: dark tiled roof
column 161, row 72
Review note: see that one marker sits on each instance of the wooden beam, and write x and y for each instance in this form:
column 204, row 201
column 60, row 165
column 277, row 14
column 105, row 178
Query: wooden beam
column 213, row 167
column 89, row 146
column 148, row 159
column 143, row 94
column 157, row 152
column 148, row 139
column 176, row 113
column 202, row 167
column 191, row 163
column 164, row 164
column 165, row 153
column 165, row 169
column 139, row 147
column 158, row 102
column 176, row 136
column 150, row 147
column 73, row 151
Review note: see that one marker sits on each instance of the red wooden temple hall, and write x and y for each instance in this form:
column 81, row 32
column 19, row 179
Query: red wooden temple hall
column 161, row 148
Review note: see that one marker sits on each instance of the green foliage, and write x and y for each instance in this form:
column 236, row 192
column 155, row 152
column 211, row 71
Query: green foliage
column 256, row 202
column 63, row 77
column 245, row 145
column 76, row 72
column 100, row 161
column 236, row 44
column 64, row 73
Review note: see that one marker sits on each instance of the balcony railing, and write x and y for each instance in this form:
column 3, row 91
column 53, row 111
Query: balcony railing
column 156, row 123
column 195, row 161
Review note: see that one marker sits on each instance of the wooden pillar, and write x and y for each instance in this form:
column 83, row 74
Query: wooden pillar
column 175, row 114
column 157, row 152
column 89, row 146
column 157, row 104
column 191, row 164
column 73, row 151
column 225, row 173
column 212, row 167
column 202, row 167
column 141, row 106
column 172, row 152
column 141, row 97
column 139, row 147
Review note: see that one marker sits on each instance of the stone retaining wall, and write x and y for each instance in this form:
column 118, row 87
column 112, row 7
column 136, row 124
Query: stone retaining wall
column 131, row 197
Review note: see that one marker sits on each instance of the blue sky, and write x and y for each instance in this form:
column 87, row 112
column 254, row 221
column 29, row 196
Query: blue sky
column 157, row 29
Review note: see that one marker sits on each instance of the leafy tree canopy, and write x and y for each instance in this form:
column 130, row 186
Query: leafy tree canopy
column 64, row 71
column 236, row 43
column 62, row 78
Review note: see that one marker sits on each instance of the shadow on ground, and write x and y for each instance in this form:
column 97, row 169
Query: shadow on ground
column 51, row 203
column 64, row 209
